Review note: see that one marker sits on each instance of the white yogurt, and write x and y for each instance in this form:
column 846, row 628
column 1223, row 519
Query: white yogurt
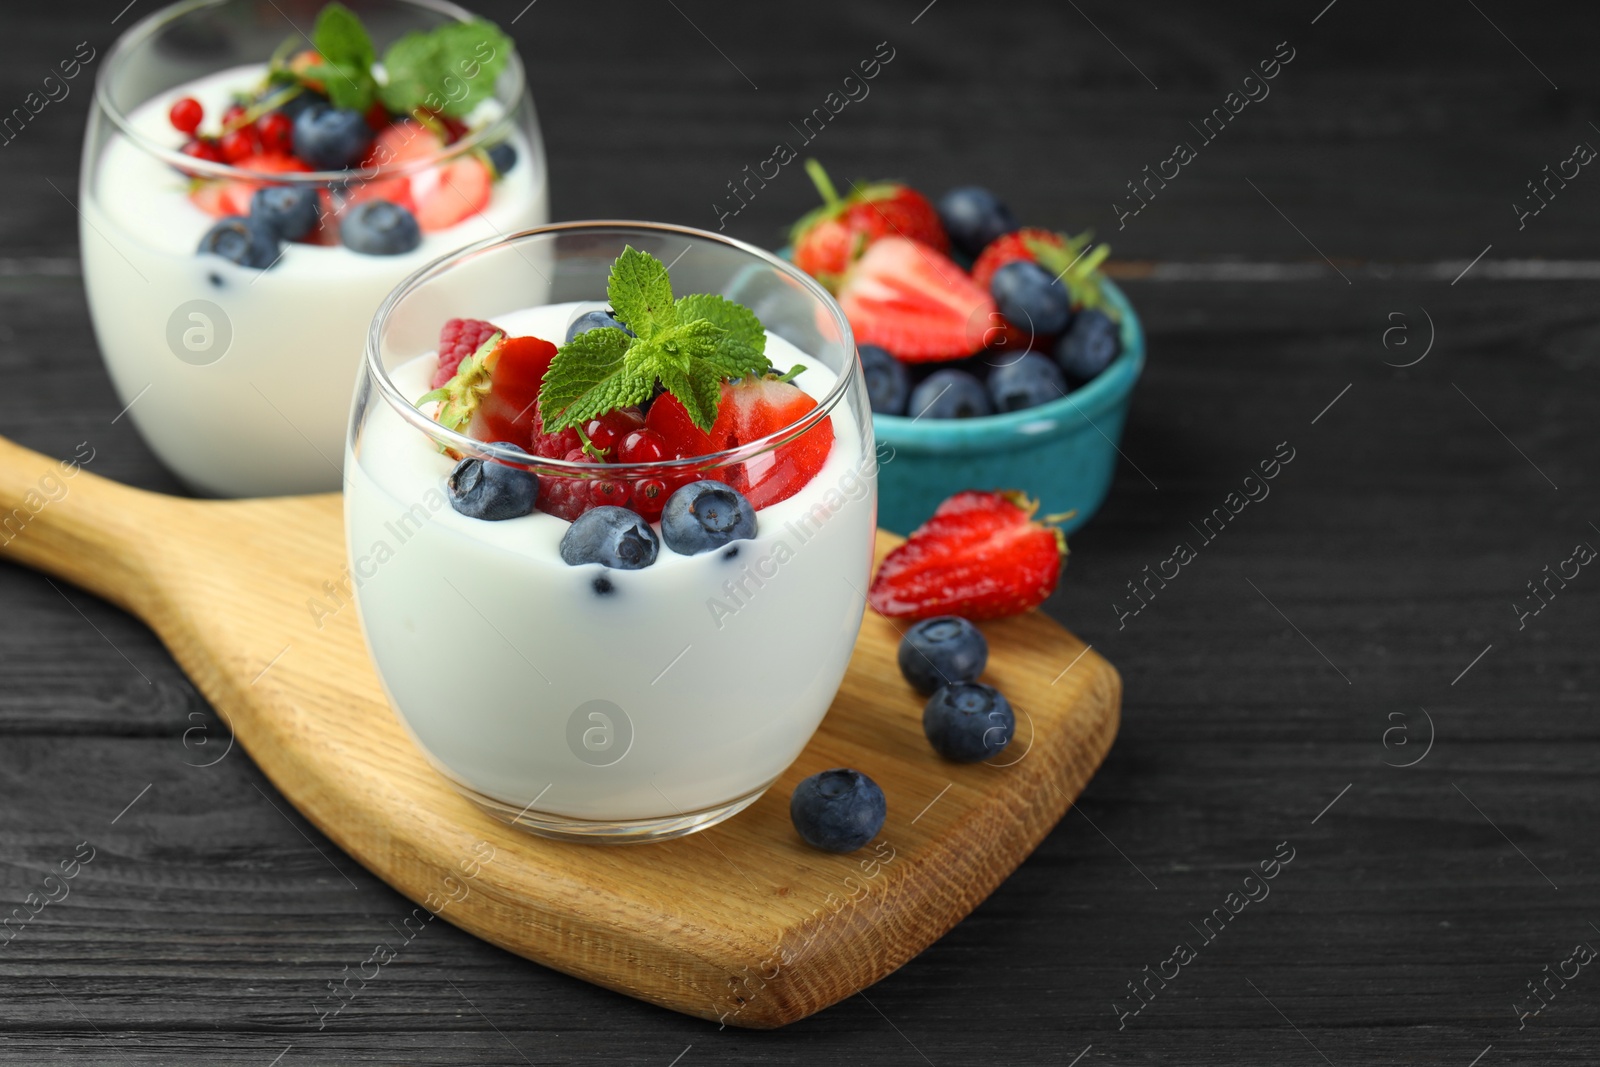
column 266, row 414
column 714, row 671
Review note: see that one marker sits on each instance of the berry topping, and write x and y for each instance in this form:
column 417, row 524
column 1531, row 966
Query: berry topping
column 670, row 422
column 1090, row 344
column 980, row 556
column 488, row 489
column 973, row 217
column 915, row 302
column 494, row 392
column 239, row 144
column 942, row 650
column 753, row 408
column 502, row 157
column 704, row 516
column 457, row 340
column 949, row 394
column 331, row 138
column 292, row 213
column 838, row 810
column 446, row 195
column 205, row 149
column 611, row 536
column 248, row 242
column 379, row 228
column 1031, row 299
column 275, row 130
column 641, row 446
column 968, row 721
column 829, row 239
column 888, row 380
column 1026, row 382
column 594, row 320
column 1020, row 246
column 231, row 196
column 185, row 114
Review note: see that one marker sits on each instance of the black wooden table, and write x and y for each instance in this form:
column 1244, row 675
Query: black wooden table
column 1343, row 675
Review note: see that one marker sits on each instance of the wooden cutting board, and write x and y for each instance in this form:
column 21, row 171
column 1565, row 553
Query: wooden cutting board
column 742, row 923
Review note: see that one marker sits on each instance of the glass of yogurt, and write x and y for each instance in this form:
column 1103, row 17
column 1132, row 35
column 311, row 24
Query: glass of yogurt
column 231, row 324
column 661, row 685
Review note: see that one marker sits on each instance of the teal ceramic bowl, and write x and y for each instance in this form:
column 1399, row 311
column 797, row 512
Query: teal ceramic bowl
column 1062, row 453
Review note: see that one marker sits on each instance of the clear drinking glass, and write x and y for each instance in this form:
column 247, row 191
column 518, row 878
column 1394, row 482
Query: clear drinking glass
column 239, row 378
column 577, row 701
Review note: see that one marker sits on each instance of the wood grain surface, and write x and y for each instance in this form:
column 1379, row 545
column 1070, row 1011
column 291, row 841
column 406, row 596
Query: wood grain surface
column 1414, row 914
column 742, row 923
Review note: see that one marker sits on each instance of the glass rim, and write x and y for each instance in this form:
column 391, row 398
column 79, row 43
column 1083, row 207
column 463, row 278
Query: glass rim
column 471, row 446
column 140, row 33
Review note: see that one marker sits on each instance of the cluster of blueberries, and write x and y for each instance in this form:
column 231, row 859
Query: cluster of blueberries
column 841, row 810
column 1030, row 298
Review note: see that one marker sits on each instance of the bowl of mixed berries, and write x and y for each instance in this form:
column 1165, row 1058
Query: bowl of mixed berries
column 994, row 354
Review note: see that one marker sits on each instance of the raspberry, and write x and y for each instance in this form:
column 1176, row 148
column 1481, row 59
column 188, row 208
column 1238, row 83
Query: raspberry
column 458, row 340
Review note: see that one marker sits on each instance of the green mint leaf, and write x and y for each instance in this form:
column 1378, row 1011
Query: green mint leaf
column 700, row 396
column 347, row 56
column 347, row 86
column 640, row 292
column 590, row 376
column 739, row 321
column 447, row 71
column 732, row 358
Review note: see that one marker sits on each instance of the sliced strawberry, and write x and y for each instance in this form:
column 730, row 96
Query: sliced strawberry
column 447, row 195
column 915, row 302
column 828, row 240
column 406, row 141
column 1010, row 248
column 231, row 196
column 493, row 395
column 980, row 556
column 753, row 408
column 678, row 433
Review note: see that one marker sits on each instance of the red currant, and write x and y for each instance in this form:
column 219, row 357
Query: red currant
column 609, row 491
column 641, row 446
column 186, row 114
column 204, row 149
column 276, row 131
column 649, row 497
column 232, row 116
column 239, row 144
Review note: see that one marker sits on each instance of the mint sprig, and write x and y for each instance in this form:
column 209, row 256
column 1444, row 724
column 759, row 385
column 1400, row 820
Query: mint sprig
column 691, row 345
column 346, row 53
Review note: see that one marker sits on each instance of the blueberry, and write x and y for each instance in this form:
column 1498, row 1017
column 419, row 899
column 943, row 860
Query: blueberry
column 968, row 721
column 838, row 810
column 379, row 228
column 1031, row 298
column 888, row 380
column 609, row 535
column 503, row 156
column 973, row 216
column 594, row 320
column 292, row 212
column 1026, row 382
column 331, row 138
column 485, row 489
column 248, row 242
column 703, row 516
column 1089, row 346
column 950, row 394
column 941, row 650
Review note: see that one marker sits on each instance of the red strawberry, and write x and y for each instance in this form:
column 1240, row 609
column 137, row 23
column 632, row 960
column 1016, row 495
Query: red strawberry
column 1009, row 249
column 449, row 194
column 753, row 408
column 231, row 196
column 400, row 143
column 981, row 556
column 826, row 241
column 457, row 340
column 678, row 433
column 493, row 396
column 915, row 302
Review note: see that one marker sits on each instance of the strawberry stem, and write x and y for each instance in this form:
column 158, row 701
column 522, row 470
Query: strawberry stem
column 824, row 184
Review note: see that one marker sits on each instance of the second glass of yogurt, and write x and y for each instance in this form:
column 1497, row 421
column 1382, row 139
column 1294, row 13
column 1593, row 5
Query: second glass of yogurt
column 232, row 329
column 632, row 697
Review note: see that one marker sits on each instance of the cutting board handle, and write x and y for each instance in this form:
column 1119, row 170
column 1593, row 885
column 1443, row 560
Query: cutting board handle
column 58, row 518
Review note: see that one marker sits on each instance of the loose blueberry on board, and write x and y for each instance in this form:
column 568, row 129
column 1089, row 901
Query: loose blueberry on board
column 973, row 216
column 1027, row 382
column 1089, row 346
column 291, row 212
column 331, row 138
column 888, row 380
column 485, row 489
column 248, row 242
column 838, row 810
column 594, row 320
column 949, row 394
column 968, row 721
column 1031, row 298
column 612, row 536
column 941, row 650
column 503, row 157
column 379, row 228
column 704, row 516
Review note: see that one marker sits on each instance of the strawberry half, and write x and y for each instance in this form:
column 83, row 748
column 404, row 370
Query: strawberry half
column 753, row 408
column 1009, row 248
column 915, row 302
column 980, row 556
column 828, row 240
column 222, row 197
column 493, row 395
